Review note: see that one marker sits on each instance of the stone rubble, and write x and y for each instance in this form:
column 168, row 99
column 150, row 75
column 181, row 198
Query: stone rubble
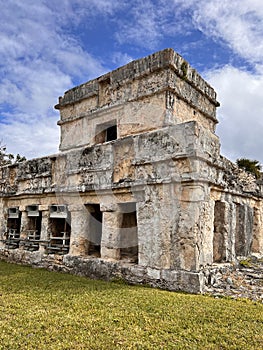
column 244, row 280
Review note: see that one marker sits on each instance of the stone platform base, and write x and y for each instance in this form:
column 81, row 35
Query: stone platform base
column 96, row 268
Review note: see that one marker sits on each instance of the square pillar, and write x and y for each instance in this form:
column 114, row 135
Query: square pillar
column 110, row 240
column 23, row 228
column 257, row 242
column 44, row 232
column 157, row 214
column 2, row 223
column 79, row 243
column 195, row 227
column 221, row 229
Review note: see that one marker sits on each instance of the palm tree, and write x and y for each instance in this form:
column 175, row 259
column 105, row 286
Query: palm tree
column 252, row 166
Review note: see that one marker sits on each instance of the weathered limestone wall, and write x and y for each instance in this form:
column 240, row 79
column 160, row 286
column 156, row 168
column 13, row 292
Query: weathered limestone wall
column 152, row 203
column 176, row 226
column 159, row 90
column 238, row 228
column 183, row 224
column 148, row 157
column 154, row 170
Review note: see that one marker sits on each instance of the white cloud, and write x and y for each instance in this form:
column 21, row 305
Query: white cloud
column 105, row 7
column 39, row 60
column 241, row 114
column 120, row 59
column 150, row 21
column 142, row 26
column 38, row 137
column 238, row 23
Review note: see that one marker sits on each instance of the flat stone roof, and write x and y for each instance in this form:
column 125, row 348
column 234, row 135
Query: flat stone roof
column 166, row 58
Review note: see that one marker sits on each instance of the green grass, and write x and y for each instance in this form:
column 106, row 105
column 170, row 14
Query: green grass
column 47, row 310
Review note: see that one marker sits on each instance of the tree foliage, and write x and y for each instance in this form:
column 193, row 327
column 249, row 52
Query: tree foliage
column 9, row 158
column 252, row 166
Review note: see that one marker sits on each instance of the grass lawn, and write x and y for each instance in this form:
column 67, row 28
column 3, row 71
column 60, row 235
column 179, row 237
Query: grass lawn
column 48, row 310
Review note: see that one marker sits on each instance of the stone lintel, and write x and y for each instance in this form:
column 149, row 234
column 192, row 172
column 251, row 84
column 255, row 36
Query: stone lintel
column 109, row 207
column 43, row 207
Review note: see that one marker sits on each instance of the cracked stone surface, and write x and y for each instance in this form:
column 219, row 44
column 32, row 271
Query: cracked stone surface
column 155, row 191
column 242, row 281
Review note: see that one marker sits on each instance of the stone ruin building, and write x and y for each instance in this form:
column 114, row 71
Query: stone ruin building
column 139, row 190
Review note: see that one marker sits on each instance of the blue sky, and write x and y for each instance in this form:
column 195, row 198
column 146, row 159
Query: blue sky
column 49, row 46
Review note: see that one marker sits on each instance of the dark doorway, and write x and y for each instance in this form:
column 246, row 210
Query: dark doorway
column 95, row 229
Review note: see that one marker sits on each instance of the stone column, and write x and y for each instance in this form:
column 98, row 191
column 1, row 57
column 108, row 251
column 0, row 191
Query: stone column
column 79, row 243
column 226, row 231
column 257, row 241
column 44, row 233
column 205, row 236
column 2, row 223
column 231, row 238
column 221, row 231
column 23, row 226
column 110, row 240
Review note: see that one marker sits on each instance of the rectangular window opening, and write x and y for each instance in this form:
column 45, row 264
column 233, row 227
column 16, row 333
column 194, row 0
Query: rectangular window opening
column 111, row 133
column 33, row 232
column 13, row 228
column 106, row 132
column 60, row 230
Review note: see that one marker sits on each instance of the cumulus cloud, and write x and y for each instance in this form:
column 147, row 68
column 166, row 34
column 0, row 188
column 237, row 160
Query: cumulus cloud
column 150, row 21
column 38, row 137
column 240, row 115
column 39, row 61
column 142, row 29
column 120, row 59
column 238, row 23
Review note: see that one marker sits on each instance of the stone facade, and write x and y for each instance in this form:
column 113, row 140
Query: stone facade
column 139, row 190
